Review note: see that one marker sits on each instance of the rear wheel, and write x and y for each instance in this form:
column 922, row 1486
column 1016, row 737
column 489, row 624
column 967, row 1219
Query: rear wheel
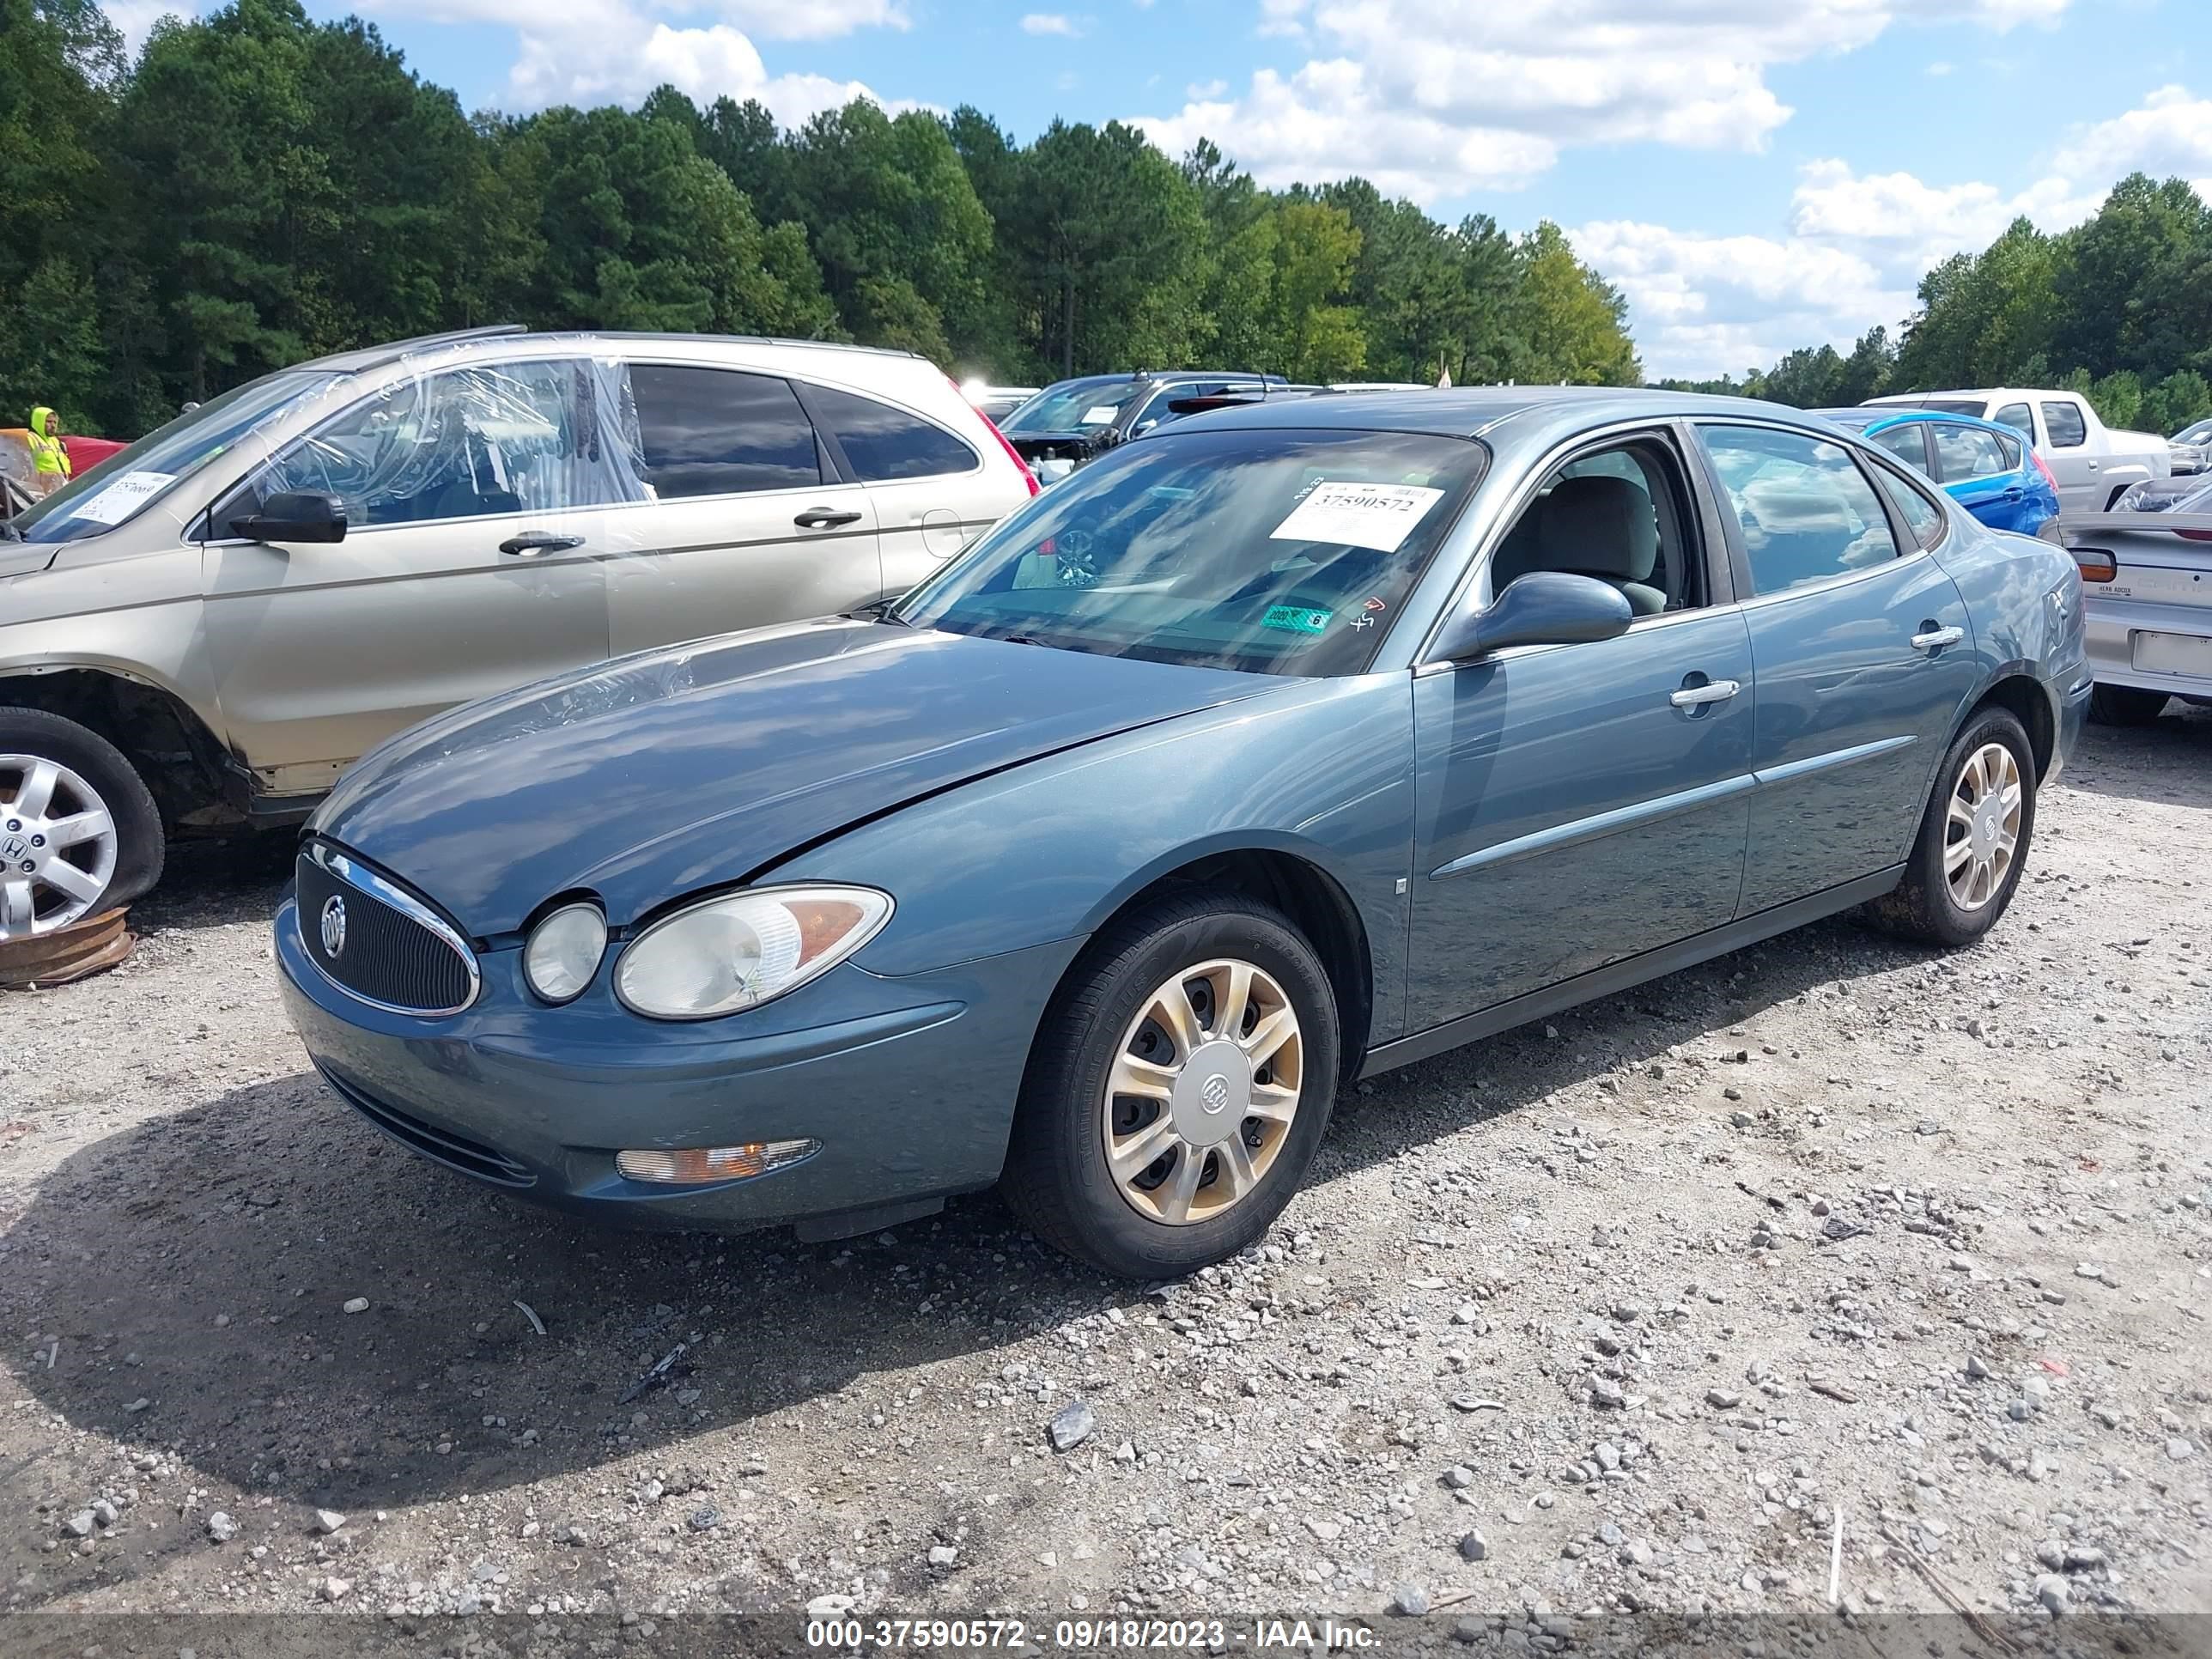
column 79, row 834
column 2123, row 705
column 1973, row 840
column 1178, row 1089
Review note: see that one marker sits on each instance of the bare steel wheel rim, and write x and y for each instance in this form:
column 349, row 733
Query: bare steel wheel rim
column 1203, row 1092
column 57, row 845
column 1981, row 828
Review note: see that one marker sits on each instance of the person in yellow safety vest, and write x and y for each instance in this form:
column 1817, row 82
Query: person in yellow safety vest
column 50, row 461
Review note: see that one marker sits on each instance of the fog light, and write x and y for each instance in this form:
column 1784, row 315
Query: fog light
column 691, row 1165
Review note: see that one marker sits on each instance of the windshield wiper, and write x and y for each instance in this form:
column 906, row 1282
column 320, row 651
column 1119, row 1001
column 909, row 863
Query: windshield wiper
column 877, row 610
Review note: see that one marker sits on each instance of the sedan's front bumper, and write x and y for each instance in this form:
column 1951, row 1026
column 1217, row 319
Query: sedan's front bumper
column 909, row 1084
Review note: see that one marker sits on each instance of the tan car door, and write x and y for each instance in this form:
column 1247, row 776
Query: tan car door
column 477, row 501
column 932, row 494
column 750, row 522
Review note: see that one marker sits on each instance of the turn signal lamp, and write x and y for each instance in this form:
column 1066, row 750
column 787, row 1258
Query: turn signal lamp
column 691, row 1166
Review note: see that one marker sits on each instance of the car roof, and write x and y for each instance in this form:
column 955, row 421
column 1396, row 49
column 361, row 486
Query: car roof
column 1867, row 417
column 506, row 335
column 1479, row 411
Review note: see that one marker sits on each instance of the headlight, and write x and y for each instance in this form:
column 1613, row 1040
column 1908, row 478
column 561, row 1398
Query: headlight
column 564, row 952
column 741, row 950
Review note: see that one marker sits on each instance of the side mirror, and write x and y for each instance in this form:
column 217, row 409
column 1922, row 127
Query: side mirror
column 1545, row 607
column 294, row 516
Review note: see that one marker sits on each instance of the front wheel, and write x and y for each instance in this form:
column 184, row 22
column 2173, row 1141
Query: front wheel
column 1965, row 862
column 1178, row 1089
column 2124, row 705
column 79, row 834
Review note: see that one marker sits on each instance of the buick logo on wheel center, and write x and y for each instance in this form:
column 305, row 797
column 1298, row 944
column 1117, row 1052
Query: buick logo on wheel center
column 1215, row 1093
column 334, row 927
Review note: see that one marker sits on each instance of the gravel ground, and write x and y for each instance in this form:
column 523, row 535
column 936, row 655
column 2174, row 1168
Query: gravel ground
column 1617, row 1313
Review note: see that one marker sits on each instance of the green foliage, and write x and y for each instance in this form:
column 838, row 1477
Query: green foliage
column 259, row 187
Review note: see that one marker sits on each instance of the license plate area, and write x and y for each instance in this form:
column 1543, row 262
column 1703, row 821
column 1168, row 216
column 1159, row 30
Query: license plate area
column 2173, row 653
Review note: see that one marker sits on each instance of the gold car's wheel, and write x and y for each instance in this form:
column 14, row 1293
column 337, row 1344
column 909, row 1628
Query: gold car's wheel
column 57, row 843
column 1203, row 1092
column 1179, row 1085
column 1982, row 827
column 79, row 835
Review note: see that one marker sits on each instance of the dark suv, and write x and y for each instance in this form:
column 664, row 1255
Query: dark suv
column 1072, row 421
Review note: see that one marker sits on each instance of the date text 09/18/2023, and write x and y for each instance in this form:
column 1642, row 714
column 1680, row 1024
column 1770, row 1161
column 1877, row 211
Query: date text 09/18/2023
column 1323, row 1635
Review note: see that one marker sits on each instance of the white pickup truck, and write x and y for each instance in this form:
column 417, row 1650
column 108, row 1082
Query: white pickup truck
column 2091, row 462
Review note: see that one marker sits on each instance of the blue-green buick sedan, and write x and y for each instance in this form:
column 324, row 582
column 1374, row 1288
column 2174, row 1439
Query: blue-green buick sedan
column 1283, row 746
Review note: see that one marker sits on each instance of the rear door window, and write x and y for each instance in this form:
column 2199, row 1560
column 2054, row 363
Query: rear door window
column 2016, row 417
column 2064, row 423
column 721, row 432
column 1806, row 511
column 1967, row 451
column 883, row 443
column 1921, row 516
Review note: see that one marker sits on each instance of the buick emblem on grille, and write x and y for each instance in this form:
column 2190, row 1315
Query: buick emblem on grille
column 334, row 927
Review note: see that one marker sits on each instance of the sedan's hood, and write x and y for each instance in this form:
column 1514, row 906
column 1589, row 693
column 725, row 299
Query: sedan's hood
column 649, row 777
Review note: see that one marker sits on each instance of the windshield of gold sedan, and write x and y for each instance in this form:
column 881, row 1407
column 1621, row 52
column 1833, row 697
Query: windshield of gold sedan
column 1277, row 551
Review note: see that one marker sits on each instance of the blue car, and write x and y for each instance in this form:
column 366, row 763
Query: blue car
column 1991, row 470
column 1284, row 746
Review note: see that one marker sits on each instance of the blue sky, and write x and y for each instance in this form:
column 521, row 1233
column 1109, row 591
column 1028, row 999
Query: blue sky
column 1756, row 174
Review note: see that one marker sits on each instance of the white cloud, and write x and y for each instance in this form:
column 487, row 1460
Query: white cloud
column 1939, row 69
column 1443, row 96
column 2168, row 136
column 135, row 19
column 1858, row 244
column 1702, row 304
column 1203, row 91
column 1051, row 22
column 596, row 51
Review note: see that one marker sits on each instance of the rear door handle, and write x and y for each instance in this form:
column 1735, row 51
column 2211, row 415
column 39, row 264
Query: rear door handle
column 1693, row 696
column 531, row 543
column 824, row 518
column 1936, row 639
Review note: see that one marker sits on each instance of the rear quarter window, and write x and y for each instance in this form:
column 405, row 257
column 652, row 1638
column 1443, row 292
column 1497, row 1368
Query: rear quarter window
column 883, row 443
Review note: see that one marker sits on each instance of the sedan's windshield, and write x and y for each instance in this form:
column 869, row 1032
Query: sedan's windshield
column 1285, row 551
column 126, row 484
column 1074, row 406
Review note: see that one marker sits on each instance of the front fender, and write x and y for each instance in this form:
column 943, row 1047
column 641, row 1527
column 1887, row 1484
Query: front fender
column 1320, row 769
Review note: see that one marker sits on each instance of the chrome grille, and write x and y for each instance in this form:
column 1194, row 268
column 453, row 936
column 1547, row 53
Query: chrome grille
column 377, row 942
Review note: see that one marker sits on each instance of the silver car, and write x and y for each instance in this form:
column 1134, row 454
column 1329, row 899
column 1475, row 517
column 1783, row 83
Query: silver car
column 2147, row 598
column 209, row 629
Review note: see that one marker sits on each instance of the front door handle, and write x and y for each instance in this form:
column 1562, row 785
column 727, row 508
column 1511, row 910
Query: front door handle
column 531, row 543
column 1696, row 696
column 824, row 518
column 1936, row 638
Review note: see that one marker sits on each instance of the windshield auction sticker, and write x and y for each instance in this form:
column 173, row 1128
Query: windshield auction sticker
column 1297, row 618
column 119, row 499
column 1376, row 515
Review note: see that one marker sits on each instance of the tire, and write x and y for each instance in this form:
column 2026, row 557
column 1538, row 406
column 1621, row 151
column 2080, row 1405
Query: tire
column 1057, row 1177
column 2123, row 705
column 78, row 772
column 1928, row 904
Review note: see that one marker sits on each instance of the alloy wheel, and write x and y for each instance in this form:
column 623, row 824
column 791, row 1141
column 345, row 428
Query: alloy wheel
column 1203, row 1092
column 57, row 845
column 1981, row 834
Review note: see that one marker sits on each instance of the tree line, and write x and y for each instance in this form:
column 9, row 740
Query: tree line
column 2118, row 308
column 256, row 188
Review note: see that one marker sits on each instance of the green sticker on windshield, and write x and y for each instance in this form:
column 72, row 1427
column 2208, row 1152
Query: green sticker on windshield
column 1296, row 617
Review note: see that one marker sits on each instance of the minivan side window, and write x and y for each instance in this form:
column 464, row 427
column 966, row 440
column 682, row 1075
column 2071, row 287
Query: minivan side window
column 883, row 444
column 2064, row 423
column 537, row 436
column 1806, row 510
column 2016, row 417
column 720, row 432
